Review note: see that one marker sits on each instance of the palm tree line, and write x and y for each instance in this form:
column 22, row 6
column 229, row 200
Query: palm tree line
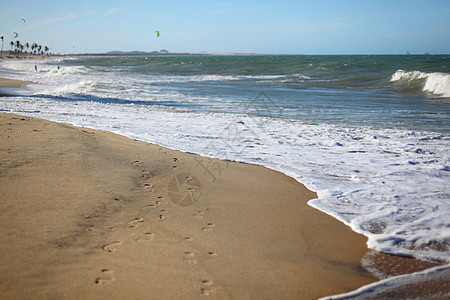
column 19, row 48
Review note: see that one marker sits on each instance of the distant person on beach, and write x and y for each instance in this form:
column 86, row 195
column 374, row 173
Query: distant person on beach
column 35, row 68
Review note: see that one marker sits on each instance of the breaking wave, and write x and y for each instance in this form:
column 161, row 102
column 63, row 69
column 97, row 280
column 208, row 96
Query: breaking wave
column 436, row 83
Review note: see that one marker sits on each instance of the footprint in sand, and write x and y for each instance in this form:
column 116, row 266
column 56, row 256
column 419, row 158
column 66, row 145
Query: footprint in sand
column 163, row 214
column 106, row 277
column 175, row 160
column 148, row 236
column 199, row 214
column 146, row 174
column 135, row 222
column 111, row 247
column 90, row 216
column 212, row 253
column 149, row 187
column 136, row 164
column 151, row 205
column 209, row 226
column 190, row 258
column 207, row 288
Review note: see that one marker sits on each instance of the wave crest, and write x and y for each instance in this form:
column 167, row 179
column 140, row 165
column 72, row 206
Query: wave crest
column 436, row 82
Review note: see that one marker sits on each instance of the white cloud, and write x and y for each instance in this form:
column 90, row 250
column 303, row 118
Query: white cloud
column 90, row 13
column 69, row 16
column 113, row 11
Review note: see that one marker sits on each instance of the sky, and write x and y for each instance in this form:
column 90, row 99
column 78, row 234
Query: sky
column 264, row 27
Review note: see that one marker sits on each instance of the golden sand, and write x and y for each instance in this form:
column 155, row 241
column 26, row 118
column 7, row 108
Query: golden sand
column 88, row 214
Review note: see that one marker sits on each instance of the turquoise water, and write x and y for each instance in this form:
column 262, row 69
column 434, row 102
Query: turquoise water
column 353, row 90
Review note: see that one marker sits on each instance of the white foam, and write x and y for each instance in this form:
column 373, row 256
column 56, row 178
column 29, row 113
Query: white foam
column 391, row 185
column 375, row 290
column 388, row 184
column 436, row 83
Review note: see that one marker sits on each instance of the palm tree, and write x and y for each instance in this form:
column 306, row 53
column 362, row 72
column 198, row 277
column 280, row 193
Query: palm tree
column 46, row 50
column 40, row 49
column 17, row 47
column 27, row 46
column 3, row 38
column 12, row 45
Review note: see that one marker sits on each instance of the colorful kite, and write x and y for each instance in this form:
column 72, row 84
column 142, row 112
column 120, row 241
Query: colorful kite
column 157, row 33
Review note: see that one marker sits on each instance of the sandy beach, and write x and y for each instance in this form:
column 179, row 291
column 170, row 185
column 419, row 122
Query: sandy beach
column 6, row 82
column 8, row 86
column 90, row 214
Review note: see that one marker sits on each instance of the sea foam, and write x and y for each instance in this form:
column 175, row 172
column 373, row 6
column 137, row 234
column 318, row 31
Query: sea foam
column 389, row 184
column 389, row 286
column 436, row 83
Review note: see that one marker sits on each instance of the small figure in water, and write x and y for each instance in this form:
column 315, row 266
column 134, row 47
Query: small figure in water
column 35, row 68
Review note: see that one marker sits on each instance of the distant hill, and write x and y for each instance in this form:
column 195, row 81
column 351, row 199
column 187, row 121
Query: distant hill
column 129, row 52
column 161, row 52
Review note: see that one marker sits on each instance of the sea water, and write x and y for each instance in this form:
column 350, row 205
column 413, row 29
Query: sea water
column 369, row 134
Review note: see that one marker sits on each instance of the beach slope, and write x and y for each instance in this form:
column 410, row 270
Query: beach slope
column 87, row 214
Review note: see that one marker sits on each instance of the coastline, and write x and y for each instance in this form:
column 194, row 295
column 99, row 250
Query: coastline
column 10, row 87
column 6, row 82
column 88, row 213
column 387, row 264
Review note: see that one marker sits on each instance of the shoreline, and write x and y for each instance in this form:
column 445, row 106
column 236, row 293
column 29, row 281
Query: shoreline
column 6, row 82
column 11, row 87
column 222, row 231
column 88, row 213
column 397, row 261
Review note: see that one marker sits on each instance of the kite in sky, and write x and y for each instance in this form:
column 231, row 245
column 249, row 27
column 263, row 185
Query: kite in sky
column 16, row 35
column 157, row 33
column 22, row 20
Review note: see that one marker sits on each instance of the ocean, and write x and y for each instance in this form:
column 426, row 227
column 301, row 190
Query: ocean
column 370, row 134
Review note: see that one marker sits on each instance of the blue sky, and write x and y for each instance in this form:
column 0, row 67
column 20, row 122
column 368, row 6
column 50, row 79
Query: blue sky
column 270, row 27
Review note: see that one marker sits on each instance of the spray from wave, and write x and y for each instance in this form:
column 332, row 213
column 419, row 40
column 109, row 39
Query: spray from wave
column 435, row 83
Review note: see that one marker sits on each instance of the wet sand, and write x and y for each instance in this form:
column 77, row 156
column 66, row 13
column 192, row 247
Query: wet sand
column 6, row 82
column 10, row 86
column 87, row 214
